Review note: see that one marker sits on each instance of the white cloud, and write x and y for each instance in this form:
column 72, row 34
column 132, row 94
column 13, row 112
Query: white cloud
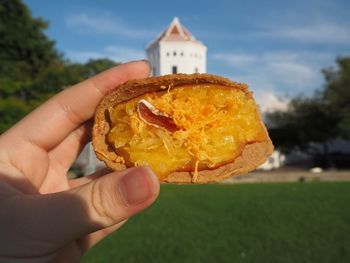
column 285, row 68
column 274, row 74
column 318, row 32
column 104, row 23
column 269, row 101
column 116, row 53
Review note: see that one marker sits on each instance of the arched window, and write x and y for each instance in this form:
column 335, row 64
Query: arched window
column 196, row 70
column 174, row 53
column 182, row 54
column 167, row 54
column 174, row 69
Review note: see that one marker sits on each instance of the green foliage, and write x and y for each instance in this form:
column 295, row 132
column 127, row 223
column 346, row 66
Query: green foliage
column 62, row 75
column 25, row 50
column 12, row 109
column 306, row 120
column 284, row 223
column 95, row 66
column 319, row 118
column 337, row 94
column 31, row 69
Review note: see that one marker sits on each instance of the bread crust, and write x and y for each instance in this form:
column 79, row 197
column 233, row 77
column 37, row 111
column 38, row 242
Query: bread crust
column 253, row 154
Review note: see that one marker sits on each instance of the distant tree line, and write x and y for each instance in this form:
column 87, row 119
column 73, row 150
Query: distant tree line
column 31, row 69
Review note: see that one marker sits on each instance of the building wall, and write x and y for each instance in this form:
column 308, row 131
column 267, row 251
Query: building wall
column 187, row 57
column 87, row 162
column 275, row 161
column 153, row 57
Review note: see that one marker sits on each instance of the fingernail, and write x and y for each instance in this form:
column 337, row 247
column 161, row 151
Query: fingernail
column 137, row 186
column 146, row 61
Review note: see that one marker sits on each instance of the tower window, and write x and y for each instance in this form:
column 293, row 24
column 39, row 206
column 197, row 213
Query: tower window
column 167, row 54
column 195, row 70
column 174, row 69
column 182, row 54
column 174, row 53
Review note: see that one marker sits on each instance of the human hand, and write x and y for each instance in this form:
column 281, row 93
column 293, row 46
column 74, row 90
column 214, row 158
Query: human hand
column 45, row 217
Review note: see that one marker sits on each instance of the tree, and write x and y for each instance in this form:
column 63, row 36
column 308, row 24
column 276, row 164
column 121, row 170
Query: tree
column 31, row 69
column 337, row 94
column 12, row 109
column 25, row 50
column 60, row 76
column 95, row 66
column 307, row 120
column 311, row 122
column 49, row 82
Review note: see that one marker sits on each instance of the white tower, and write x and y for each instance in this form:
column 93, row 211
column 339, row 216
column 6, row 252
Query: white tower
column 177, row 51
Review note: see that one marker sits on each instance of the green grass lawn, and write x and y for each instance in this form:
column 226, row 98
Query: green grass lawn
column 296, row 222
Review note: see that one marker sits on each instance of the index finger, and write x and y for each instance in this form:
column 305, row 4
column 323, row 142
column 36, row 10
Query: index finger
column 50, row 123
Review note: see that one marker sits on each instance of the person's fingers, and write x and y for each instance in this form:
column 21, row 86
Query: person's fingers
column 87, row 179
column 62, row 217
column 116, row 196
column 87, row 242
column 49, row 124
column 68, row 150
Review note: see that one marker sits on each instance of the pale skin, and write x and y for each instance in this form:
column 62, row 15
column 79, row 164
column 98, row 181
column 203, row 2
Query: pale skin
column 44, row 216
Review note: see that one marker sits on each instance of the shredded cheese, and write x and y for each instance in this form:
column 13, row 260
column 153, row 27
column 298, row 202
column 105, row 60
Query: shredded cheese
column 195, row 173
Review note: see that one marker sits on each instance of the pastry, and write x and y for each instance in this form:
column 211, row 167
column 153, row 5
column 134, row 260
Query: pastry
column 189, row 128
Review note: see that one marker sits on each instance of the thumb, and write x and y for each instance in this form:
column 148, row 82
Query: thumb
column 115, row 197
column 103, row 202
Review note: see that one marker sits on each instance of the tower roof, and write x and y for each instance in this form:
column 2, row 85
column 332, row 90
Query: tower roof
column 174, row 32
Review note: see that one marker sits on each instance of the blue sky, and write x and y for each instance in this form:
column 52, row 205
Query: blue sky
column 277, row 47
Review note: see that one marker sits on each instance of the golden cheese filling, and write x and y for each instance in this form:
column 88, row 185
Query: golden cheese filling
column 186, row 128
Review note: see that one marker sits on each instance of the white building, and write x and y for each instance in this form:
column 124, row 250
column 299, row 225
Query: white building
column 275, row 160
column 177, row 51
